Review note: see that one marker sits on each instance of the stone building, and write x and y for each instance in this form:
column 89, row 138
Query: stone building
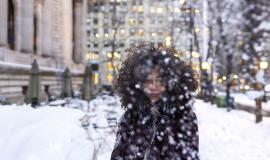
column 50, row 31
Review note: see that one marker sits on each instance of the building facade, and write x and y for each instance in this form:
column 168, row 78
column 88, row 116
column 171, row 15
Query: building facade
column 50, row 31
column 115, row 25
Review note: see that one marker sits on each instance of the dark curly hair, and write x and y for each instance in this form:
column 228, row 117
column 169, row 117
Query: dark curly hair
column 178, row 77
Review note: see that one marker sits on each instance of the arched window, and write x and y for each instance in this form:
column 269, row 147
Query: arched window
column 11, row 25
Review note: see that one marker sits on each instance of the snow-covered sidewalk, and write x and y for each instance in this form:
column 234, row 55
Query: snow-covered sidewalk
column 55, row 133
column 47, row 133
column 231, row 135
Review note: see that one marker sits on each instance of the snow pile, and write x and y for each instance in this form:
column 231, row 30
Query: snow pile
column 52, row 133
column 231, row 135
column 103, row 135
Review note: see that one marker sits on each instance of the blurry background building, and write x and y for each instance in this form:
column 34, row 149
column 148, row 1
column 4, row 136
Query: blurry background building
column 116, row 25
column 50, row 31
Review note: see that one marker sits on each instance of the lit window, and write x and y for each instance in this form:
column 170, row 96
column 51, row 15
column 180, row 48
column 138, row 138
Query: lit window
column 132, row 21
column 92, row 56
column 160, row 10
column 140, row 9
column 122, row 31
column 106, row 32
column 96, row 78
column 141, row 32
column 176, row 10
column 110, row 66
column 110, row 78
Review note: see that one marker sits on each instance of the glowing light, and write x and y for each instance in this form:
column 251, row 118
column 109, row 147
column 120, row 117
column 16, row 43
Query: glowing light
column 132, row 21
column 168, row 38
column 263, row 65
column 110, row 66
column 176, row 10
column 235, row 76
column 141, row 32
column 195, row 54
column 109, row 55
column 160, row 10
column 182, row 2
column 197, row 29
column 122, row 31
column 246, row 87
column 206, row 66
column 224, row 78
column 96, row 78
column 220, row 80
column 140, row 9
column 116, row 55
column 110, row 78
column 92, row 56
column 267, row 88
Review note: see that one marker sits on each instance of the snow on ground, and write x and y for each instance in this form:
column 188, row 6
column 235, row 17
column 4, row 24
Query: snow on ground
column 223, row 135
column 248, row 99
column 47, row 133
column 55, row 133
column 231, row 135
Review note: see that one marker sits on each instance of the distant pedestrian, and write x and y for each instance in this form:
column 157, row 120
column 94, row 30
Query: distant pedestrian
column 156, row 88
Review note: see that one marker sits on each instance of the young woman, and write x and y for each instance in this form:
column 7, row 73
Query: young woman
column 156, row 89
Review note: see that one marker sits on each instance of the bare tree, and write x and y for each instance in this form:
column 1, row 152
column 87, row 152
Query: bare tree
column 255, row 14
column 116, row 17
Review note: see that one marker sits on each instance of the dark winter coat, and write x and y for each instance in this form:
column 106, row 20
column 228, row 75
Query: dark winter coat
column 166, row 133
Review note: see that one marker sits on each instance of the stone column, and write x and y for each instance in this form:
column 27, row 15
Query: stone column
column 38, row 13
column 84, row 30
column 27, row 26
column 46, row 28
column 77, row 29
column 18, row 22
column 3, row 22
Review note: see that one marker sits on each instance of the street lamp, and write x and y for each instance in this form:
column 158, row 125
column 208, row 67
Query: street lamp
column 229, row 99
column 264, row 66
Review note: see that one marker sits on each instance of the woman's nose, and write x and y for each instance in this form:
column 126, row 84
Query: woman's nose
column 153, row 84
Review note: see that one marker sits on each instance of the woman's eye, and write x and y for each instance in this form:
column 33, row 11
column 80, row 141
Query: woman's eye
column 148, row 81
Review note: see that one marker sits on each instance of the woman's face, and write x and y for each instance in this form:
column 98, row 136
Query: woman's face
column 154, row 87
